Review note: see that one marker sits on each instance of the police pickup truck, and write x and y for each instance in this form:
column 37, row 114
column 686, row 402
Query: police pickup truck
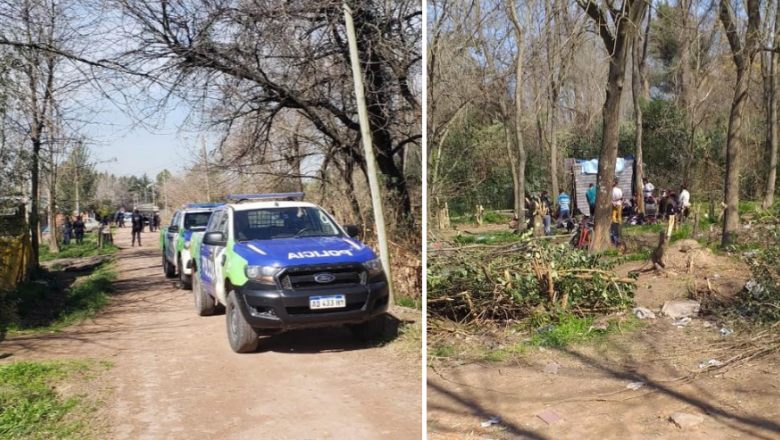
column 277, row 264
column 176, row 239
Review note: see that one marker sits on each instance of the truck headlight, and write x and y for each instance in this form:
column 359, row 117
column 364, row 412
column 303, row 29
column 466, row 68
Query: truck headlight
column 261, row 274
column 373, row 267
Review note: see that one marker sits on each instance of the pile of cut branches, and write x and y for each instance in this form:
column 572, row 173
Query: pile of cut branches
column 475, row 284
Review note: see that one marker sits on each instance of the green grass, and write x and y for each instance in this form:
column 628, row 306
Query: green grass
column 88, row 248
column 31, row 407
column 408, row 301
column 572, row 329
column 82, row 301
column 443, row 351
column 489, row 217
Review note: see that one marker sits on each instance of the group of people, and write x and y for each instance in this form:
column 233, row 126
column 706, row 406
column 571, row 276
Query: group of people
column 671, row 203
column 73, row 229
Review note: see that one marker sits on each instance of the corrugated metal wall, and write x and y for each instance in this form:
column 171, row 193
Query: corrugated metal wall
column 580, row 182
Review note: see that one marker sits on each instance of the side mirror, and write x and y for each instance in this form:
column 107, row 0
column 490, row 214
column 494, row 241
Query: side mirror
column 352, row 230
column 214, row 239
column 173, row 228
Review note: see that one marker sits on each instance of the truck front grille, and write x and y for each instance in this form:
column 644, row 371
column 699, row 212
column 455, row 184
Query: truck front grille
column 304, row 277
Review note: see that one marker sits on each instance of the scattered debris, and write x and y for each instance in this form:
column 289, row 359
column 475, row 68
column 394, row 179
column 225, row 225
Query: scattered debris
column 750, row 254
column 551, row 368
column 710, row 363
column 550, row 417
column 754, row 288
column 682, row 322
column 715, row 276
column 706, row 324
column 681, row 308
column 494, row 420
column 725, row 331
column 635, row 385
column 643, row 313
column 685, row 420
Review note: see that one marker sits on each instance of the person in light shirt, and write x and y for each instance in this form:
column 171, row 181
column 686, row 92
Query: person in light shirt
column 647, row 188
column 617, row 203
column 684, row 202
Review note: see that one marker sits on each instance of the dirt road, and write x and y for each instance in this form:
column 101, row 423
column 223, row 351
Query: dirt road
column 175, row 376
column 587, row 384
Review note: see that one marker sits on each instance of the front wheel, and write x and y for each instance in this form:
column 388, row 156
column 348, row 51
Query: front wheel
column 371, row 330
column 204, row 303
column 242, row 337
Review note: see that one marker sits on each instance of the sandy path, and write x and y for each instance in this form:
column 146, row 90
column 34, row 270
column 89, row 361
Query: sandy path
column 176, row 377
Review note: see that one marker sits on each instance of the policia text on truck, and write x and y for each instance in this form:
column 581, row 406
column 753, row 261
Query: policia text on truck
column 278, row 264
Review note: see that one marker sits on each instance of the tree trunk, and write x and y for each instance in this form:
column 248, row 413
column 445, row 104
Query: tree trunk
column 554, row 142
column 608, row 156
column 742, row 56
column 520, row 148
column 772, row 104
column 617, row 44
column 639, row 57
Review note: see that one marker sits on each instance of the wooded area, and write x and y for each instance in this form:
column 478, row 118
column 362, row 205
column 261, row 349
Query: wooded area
column 687, row 87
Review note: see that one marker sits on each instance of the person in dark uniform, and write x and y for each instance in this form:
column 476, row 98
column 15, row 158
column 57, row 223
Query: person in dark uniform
column 67, row 229
column 156, row 221
column 78, row 230
column 137, row 223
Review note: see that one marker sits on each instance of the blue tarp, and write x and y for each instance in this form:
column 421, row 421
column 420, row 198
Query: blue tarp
column 592, row 166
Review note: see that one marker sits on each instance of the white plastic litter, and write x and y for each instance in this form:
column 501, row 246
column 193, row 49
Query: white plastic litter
column 643, row 313
column 495, row 420
column 635, row 385
column 725, row 332
column 710, row 363
column 682, row 322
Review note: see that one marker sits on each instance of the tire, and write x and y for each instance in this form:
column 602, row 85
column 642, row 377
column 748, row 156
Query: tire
column 242, row 337
column 371, row 330
column 204, row 303
column 168, row 268
column 185, row 281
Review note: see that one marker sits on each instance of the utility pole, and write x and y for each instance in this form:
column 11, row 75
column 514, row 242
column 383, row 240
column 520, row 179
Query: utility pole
column 206, row 160
column 368, row 146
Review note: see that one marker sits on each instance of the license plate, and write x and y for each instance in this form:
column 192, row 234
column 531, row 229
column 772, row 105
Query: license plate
column 327, row 302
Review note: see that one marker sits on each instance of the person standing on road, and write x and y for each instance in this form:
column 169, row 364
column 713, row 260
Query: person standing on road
column 564, row 208
column 156, row 221
column 67, row 229
column 591, row 197
column 78, row 230
column 137, row 223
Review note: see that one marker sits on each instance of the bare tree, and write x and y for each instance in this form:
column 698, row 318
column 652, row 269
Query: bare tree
column 640, row 94
column 770, row 63
column 743, row 54
column 616, row 25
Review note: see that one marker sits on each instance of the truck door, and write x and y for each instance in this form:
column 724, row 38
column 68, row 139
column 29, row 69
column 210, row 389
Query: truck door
column 206, row 257
column 219, row 258
column 170, row 239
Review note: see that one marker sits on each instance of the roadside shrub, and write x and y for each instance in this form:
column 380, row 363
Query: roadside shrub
column 760, row 300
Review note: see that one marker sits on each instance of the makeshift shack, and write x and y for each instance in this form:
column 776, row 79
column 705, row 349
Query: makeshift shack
column 583, row 172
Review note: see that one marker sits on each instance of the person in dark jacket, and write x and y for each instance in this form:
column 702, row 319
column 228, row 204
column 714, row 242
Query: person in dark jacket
column 78, row 230
column 67, row 229
column 137, row 223
column 156, row 221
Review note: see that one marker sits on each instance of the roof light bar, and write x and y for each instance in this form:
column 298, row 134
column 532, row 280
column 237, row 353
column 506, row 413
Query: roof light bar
column 203, row 205
column 295, row 195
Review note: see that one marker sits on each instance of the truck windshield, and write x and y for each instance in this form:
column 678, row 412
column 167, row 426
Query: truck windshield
column 276, row 223
column 196, row 221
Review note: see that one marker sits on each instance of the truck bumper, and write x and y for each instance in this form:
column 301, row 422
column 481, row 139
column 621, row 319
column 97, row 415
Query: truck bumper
column 280, row 310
